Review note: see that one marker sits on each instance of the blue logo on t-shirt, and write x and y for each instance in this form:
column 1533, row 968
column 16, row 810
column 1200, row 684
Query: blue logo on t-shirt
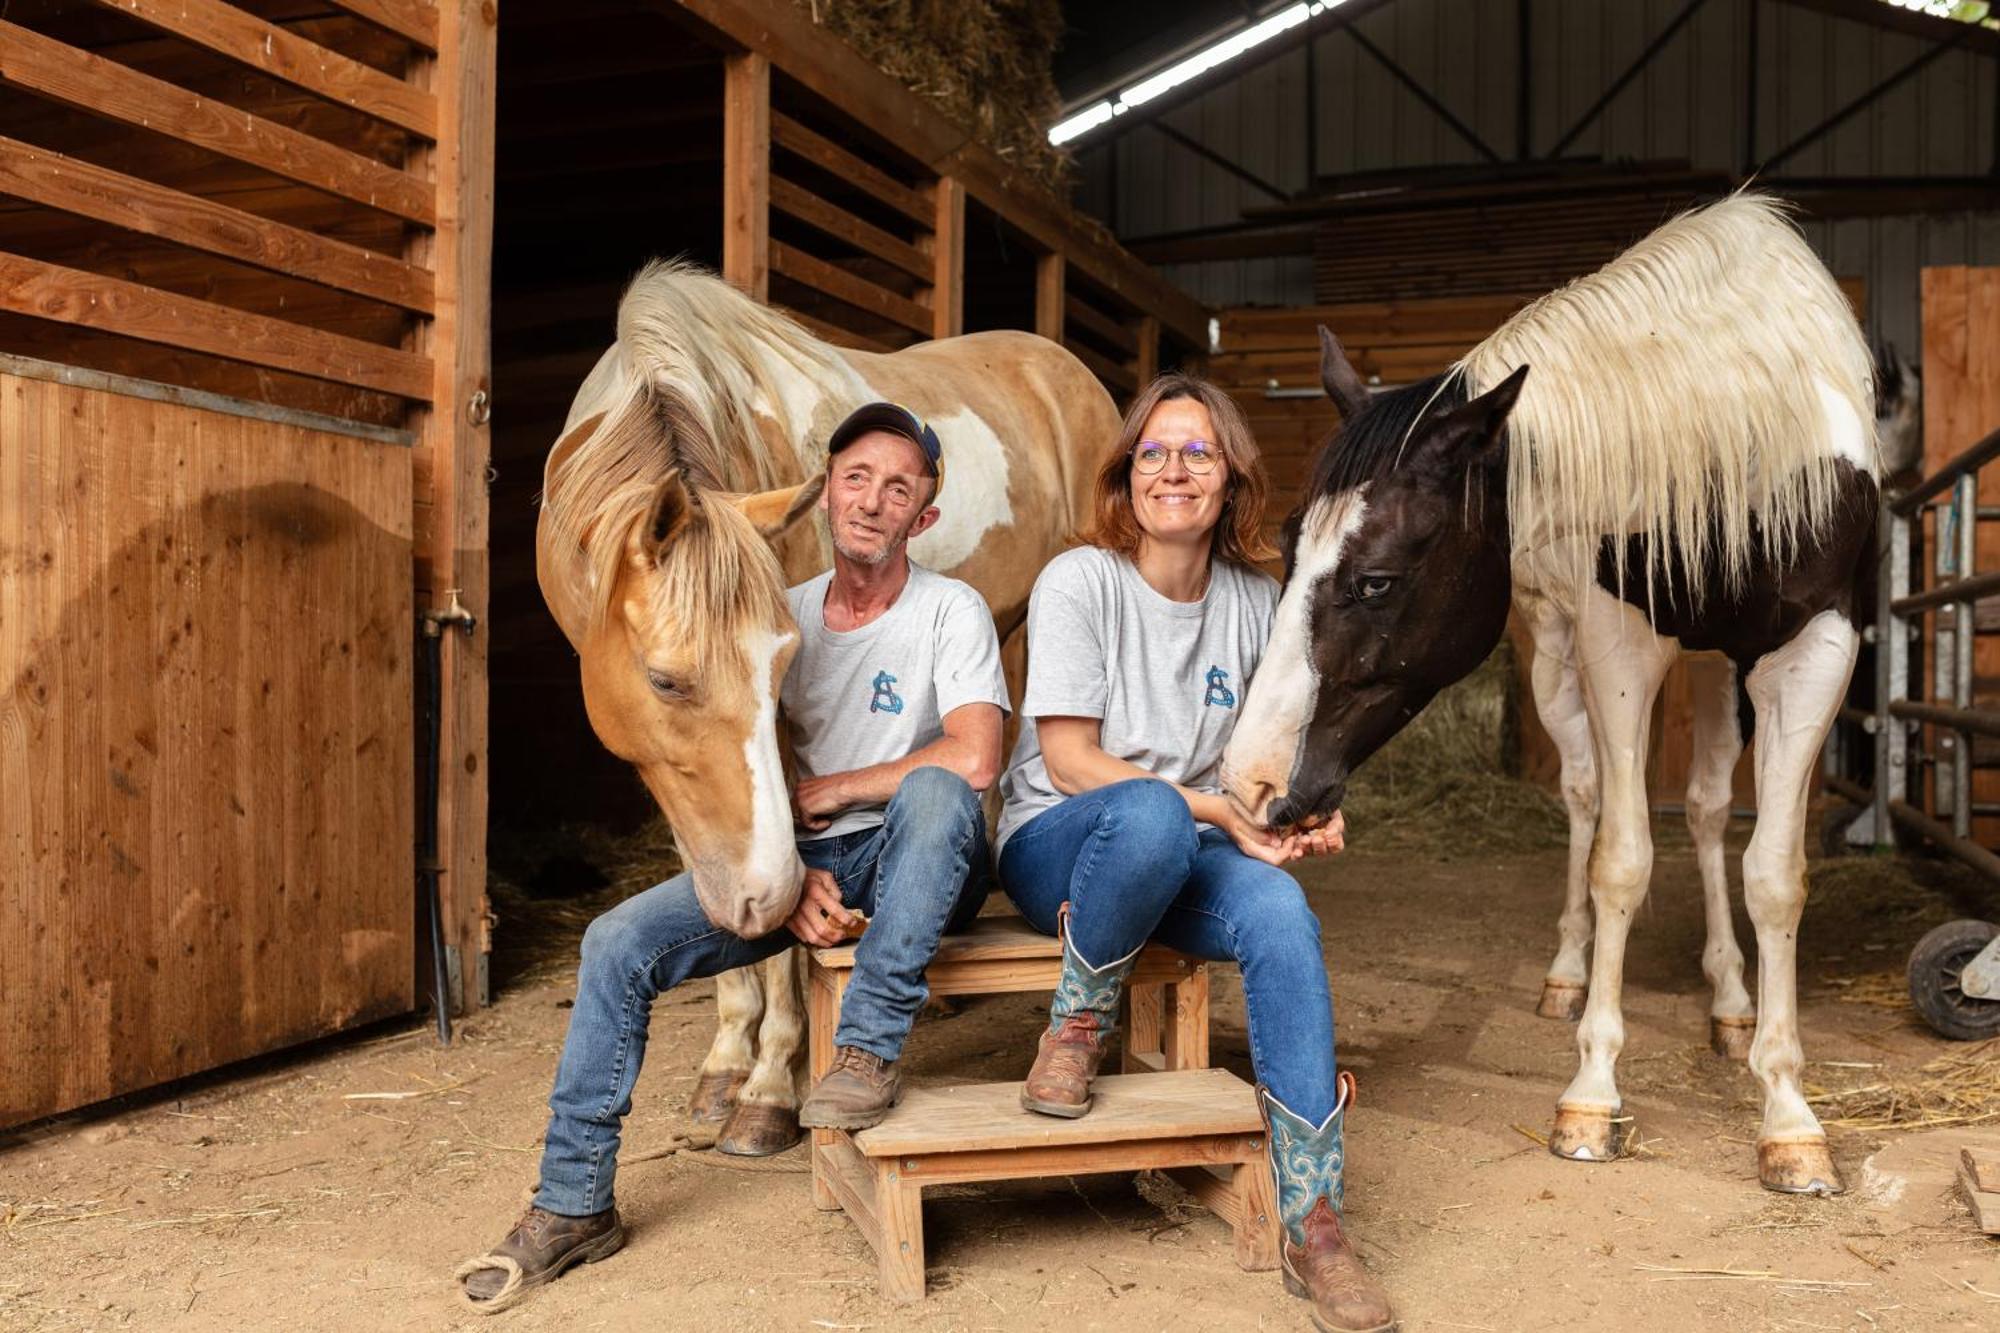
column 1219, row 693
column 886, row 699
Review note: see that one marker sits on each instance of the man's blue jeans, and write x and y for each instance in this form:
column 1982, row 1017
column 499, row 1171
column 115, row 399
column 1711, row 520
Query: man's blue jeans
column 1132, row 866
column 923, row 871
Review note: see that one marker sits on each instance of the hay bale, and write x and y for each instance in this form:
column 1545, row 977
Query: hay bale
column 1446, row 785
column 985, row 63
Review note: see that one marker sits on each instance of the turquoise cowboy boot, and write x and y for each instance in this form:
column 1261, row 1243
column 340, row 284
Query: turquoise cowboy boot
column 1083, row 1015
column 1319, row 1262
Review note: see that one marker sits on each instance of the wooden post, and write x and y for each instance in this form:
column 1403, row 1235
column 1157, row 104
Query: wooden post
column 1050, row 272
column 1146, row 362
column 746, row 173
column 823, row 992
column 948, row 260
column 899, row 1211
column 1184, row 1024
column 454, row 432
column 1256, row 1221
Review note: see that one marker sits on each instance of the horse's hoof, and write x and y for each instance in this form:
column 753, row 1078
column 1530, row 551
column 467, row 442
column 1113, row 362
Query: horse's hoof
column 757, row 1130
column 1798, row 1166
column 1562, row 999
column 1588, row 1134
column 1731, row 1036
column 714, row 1097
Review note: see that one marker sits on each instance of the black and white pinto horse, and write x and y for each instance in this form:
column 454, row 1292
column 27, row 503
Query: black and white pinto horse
column 1674, row 454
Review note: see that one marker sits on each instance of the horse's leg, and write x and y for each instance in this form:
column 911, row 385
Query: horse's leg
column 1796, row 691
column 1622, row 663
column 1718, row 744
column 739, row 1004
column 766, row 1119
column 1559, row 704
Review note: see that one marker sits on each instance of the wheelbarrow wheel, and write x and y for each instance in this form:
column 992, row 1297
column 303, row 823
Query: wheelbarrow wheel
column 1935, row 965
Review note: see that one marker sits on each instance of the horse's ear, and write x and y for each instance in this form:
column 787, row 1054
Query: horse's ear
column 672, row 508
column 772, row 512
column 1338, row 376
column 1470, row 435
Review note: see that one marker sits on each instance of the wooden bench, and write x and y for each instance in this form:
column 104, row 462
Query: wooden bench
column 1169, row 1112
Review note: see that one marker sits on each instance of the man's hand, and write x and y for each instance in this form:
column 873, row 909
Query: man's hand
column 820, row 919
column 816, row 800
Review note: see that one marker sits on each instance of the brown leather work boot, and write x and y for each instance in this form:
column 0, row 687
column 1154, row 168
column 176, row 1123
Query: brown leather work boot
column 1083, row 1015
column 856, row 1093
column 1326, row 1271
column 1309, row 1162
column 1066, row 1060
column 541, row 1247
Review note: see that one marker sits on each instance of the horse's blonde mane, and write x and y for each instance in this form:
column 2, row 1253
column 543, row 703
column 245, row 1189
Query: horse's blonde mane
column 700, row 360
column 1678, row 390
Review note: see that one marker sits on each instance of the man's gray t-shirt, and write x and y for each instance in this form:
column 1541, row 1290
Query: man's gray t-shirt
column 878, row 693
column 1164, row 678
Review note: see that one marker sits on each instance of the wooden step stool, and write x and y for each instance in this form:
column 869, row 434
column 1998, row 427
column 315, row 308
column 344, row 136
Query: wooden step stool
column 1169, row 1112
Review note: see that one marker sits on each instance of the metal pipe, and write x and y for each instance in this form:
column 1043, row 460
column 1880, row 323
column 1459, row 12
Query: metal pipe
column 432, row 626
column 1974, row 458
column 1965, row 502
column 1979, row 721
column 1848, row 788
column 1970, row 853
column 1956, row 590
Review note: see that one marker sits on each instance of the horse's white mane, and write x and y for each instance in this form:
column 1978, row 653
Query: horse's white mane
column 700, row 360
column 1679, row 389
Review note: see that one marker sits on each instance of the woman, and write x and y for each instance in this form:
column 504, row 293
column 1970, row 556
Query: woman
column 1114, row 831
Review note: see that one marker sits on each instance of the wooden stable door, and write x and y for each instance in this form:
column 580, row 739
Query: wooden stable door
column 205, row 737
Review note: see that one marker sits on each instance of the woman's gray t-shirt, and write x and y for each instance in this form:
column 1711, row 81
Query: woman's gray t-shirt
column 1164, row 678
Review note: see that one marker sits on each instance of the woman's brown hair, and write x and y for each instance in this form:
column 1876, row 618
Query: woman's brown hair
column 1239, row 532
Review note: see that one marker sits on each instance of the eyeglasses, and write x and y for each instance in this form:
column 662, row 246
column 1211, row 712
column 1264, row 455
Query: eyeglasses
column 1197, row 456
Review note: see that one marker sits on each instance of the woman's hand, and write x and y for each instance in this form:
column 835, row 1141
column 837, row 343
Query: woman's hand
column 1324, row 839
column 1252, row 839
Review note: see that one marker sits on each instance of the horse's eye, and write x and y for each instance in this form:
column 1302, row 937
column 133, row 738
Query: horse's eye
column 666, row 686
column 1369, row 587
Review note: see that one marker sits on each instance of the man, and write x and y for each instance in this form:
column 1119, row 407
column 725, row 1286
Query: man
column 895, row 701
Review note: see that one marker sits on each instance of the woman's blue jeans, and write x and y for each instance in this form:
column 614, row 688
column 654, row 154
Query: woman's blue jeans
column 1132, row 866
column 921, row 873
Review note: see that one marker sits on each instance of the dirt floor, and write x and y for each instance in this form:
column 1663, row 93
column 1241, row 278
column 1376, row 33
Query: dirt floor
column 280, row 1198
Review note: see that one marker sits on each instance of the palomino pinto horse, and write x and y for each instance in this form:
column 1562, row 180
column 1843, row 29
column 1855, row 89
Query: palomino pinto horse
column 1674, row 453
column 672, row 521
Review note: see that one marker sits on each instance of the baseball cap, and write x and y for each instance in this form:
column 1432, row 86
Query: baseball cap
column 897, row 420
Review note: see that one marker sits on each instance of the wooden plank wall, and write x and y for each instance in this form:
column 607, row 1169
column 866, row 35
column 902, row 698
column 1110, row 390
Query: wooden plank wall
column 205, row 765
column 288, row 202
column 845, row 198
column 1961, row 314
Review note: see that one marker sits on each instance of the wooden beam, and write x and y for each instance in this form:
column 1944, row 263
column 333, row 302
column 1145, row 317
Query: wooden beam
column 460, row 440
column 835, row 334
column 78, row 187
column 1118, row 378
column 1089, row 317
column 270, row 49
column 801, row 203
column 844, row 286
column 414, row 19
column 746, row 173
column 89, row 300
column 1049, row 304
column 1146, row 361
column 829, row 156
column 105, row 88
column 828, row 67
column 947, row 292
